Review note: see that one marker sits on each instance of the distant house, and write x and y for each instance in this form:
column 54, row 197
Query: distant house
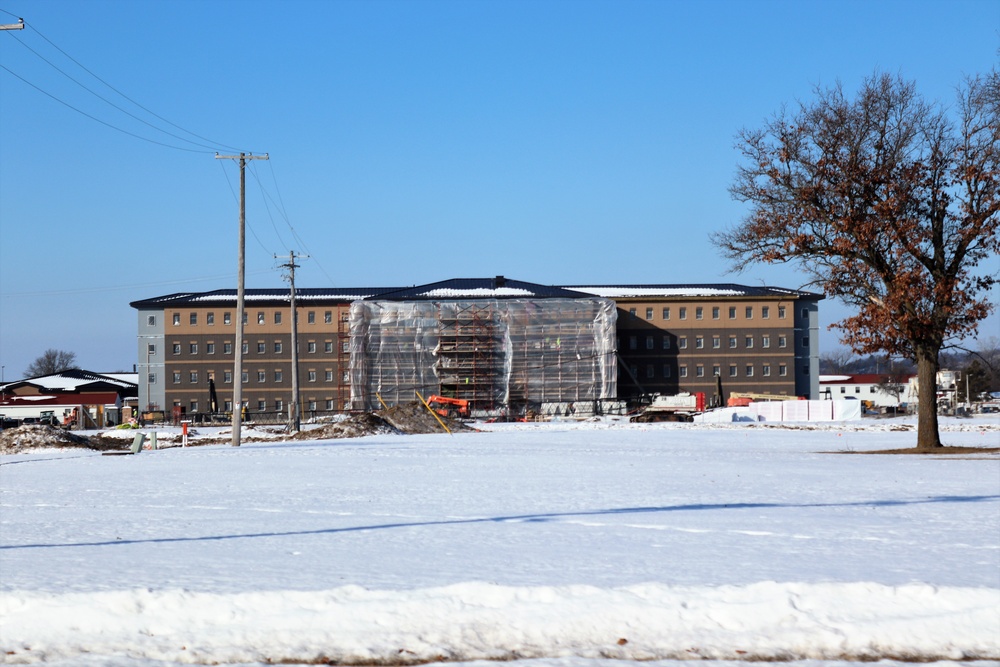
column 882, row 389
column 81, row 398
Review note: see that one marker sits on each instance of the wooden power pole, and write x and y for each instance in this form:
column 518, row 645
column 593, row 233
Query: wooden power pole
column 294, row 411
column 240, row 297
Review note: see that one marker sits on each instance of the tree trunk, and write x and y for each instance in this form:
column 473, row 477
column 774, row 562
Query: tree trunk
column 928, row 436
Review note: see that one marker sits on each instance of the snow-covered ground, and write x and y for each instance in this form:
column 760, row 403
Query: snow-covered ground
column 558, row 545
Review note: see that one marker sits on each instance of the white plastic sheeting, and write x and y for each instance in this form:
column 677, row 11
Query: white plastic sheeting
column 814, row 411
column 492, row 352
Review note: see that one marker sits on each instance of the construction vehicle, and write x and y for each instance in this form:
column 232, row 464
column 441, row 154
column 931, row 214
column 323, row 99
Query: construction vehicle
column 741, row 400
column 448, row 407
column 678, row 408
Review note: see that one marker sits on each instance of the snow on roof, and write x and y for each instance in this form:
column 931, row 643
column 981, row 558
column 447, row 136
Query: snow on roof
column 613, row 292
column 478, row 292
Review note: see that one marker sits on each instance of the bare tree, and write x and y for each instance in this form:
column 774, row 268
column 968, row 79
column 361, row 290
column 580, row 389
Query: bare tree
column 51, row 361
column 888, row 204
column 836, row 362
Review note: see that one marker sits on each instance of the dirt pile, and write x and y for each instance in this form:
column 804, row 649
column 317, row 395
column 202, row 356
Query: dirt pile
column 408, row 418
column 28, row 438
column 415, row 418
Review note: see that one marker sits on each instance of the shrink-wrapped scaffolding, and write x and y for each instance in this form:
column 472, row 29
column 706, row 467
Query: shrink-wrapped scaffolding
column 494, row 353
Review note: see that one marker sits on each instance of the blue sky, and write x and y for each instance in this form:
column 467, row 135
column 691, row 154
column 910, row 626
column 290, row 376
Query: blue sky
column 555, row 142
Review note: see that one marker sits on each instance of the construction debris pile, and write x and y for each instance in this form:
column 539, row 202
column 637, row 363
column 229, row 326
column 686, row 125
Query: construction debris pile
column 27, row 438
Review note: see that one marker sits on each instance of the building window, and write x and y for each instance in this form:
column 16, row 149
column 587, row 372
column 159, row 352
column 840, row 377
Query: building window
column 227, row 405
column 277, row 347
column 328, row 347
column 329, row 404
column 699, row 313
column 716, row 371
column 749, row 312
column 699, row 342
column 715, row 312
column 634, row 370
column 177, row 348
column 782, row 342
column 312, row 376
column 649, row 313
column 748, row 342
column 227, row 377
column 857, row 390
column 682, row 342
column 260, row 318
column 311, row 347
column 781, row 312
column 261, row 405
column 346, row 377
column 277, row 317
column 151, row 321
column 666, row 370
column 261, row 347
column 765, row 312
column 177, row 319
column 312, row 406
column 765, row 370
column 193, row 377
column 151, row 348
column 782, row 370
column 210, row 319
column 279, row 405
column 193, row 348
column 699, row 371
column 749, row 370
column 244, row 377
column 194, row 319
column 805, row 313
column 277, row 376
column 328, row 317
column 732, row 342
column 245, row 318
column 649, row 342
column 246, row 348
column 650, row 372
column 328, row 377
column 732, row 370
column 151, row 378
column 732, row 312
column 666, row 342
column 682, row 371
column 177, row 377
column 631, row 312
column 805, row 341
column 666, row 313
column 261, row 376
column 765, row 340
column 227, row 348
column 227, row 319
column 716, row 342
column 843, row 390
column 633, row 343
column 194, row 406
column 311, row 317
column 683, row 314
column 209, row 348
column 345, row 346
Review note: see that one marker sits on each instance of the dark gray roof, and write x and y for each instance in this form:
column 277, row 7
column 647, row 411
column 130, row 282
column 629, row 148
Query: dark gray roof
column 479, row 288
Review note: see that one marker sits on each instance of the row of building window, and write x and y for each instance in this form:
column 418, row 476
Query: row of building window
column 311, row 405
column 227, row 347
column 699, row 370
column 699, row 312
column 227, row 376
column 716, row 341
column 227, row 318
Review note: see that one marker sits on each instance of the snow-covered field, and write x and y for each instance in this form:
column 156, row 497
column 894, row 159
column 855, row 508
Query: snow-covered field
column 560, row 544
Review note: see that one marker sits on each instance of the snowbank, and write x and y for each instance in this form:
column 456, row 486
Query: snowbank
column 478, row 621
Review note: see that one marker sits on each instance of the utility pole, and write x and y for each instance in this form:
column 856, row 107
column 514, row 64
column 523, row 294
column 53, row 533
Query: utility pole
column 240, row 294
column 294, row 413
